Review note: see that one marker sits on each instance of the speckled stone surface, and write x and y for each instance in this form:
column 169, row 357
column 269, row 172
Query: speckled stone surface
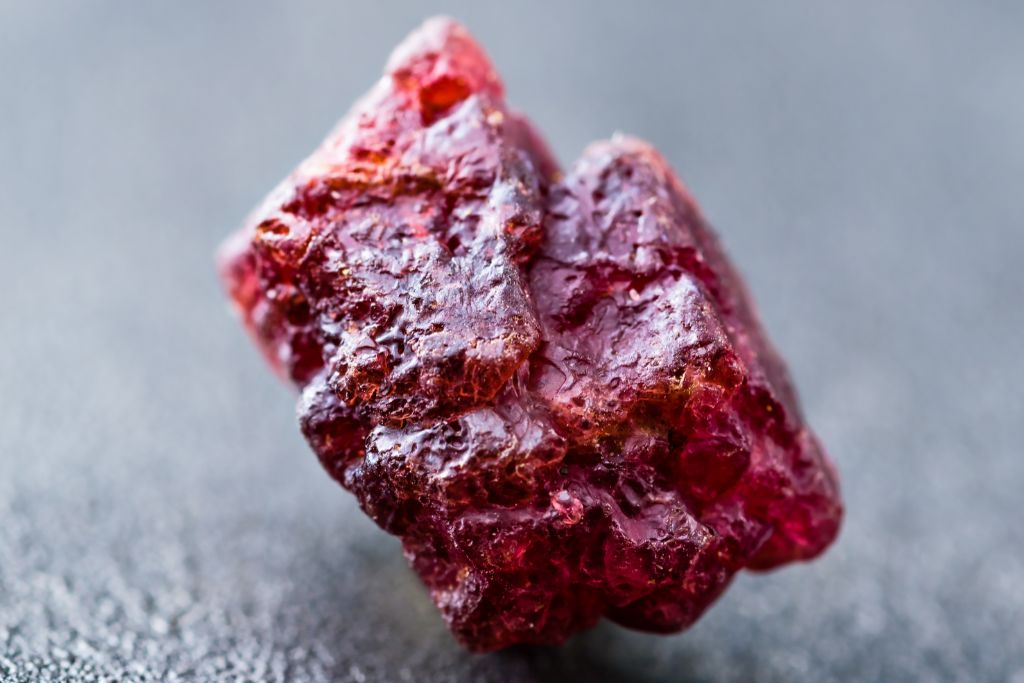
column 160, row 517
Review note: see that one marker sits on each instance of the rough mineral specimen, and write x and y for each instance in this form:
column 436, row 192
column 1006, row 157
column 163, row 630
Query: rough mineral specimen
column 554, row 389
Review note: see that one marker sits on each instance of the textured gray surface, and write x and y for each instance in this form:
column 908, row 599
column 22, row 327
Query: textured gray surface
column 160, row 517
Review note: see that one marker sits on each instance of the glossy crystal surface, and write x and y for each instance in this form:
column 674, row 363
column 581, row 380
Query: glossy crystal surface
column 552, row 387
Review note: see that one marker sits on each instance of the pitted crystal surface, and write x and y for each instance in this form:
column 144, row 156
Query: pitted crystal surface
column 553, row 388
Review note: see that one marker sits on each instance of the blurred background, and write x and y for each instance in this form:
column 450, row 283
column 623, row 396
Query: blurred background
column 161, row 517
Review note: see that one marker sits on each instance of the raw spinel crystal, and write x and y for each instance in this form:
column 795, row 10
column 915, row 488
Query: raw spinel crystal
column 553, row 388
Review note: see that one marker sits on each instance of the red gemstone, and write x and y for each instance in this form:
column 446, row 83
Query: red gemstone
column 554, row 389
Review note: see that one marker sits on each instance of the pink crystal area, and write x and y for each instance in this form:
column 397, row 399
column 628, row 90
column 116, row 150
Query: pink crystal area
column 553, row 388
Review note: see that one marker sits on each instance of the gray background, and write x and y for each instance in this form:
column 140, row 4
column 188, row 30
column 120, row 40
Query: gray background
column 160, row 517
